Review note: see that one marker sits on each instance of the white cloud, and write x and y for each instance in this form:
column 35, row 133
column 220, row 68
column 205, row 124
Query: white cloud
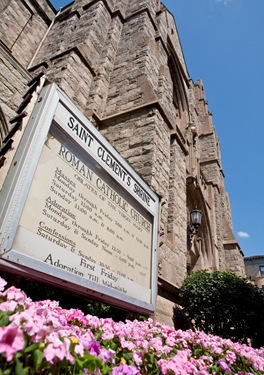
column 243, row 234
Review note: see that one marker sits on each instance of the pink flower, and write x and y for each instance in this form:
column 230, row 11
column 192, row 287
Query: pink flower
column 108, row 335
column 93, row 321
column 94, row 348
column 65, row 334
column 170, row 341
column 8, row 306
column 62, row 320
column 11, row 341
column 86, row 339
column 156, row 343
column 107, row 355
column 77, row 316
column 57, row 349
column 230, row 357
column 2, row 284
column 127, row 344
column 142, row 344
column 137, row 357
column 224, row 366
column 15, row 294
column 32, row 324
column 79, row 349
column 123, row 369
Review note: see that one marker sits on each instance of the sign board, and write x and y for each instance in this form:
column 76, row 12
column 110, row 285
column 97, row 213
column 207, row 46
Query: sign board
column 75, row 210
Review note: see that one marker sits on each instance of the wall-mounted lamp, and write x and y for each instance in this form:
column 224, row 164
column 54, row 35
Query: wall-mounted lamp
column 196, row 219
column 192, row 230
column 195, row 222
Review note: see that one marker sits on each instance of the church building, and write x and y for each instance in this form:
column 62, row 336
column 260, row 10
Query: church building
column 122, row 64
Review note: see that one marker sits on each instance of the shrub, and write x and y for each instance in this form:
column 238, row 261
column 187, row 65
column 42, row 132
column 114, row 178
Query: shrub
column 224, row 304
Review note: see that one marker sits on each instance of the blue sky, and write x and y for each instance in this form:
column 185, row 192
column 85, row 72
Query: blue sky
column 223, row 45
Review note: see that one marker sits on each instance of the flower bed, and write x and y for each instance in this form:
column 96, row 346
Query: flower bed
column 42, row 338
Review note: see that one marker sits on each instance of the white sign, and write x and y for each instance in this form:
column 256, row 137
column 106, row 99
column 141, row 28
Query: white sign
column 85, row 211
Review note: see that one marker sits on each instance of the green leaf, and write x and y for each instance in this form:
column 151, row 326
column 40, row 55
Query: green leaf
column 91, row 363
column 19, row 369
column 38, row 357
column 105, row 370
column 127, row 356
column 31, row 348
column 4, row 318
column 6, row 372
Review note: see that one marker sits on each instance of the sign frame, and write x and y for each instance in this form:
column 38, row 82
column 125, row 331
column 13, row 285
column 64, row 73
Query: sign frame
column 49, row 109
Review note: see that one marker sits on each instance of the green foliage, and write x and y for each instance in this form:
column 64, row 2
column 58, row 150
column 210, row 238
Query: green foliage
column 224, row 304
column 4, row 318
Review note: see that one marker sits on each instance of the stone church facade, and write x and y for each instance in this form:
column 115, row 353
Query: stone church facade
column 122, row 65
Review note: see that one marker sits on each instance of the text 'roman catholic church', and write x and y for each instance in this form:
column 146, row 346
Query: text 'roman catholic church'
column 121, row 63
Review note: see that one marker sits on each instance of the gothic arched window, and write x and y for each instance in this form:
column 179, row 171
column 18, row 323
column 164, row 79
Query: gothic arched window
column 179, row 80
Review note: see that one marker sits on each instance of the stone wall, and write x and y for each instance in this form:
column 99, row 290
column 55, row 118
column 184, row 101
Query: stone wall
column 13, row 83
column 23, row 26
